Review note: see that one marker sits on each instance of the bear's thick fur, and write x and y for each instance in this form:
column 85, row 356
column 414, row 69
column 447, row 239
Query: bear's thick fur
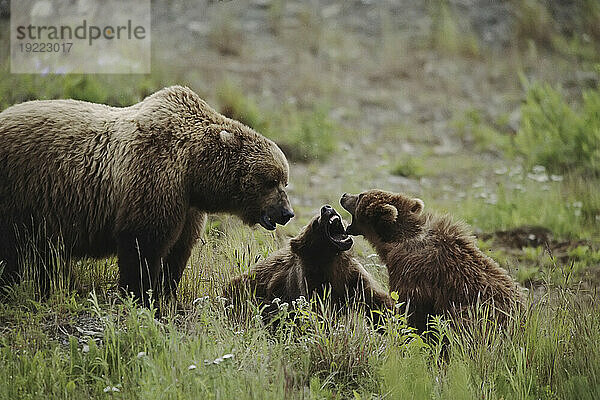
column 134, row 181
column 433, row 263
column 314, row 261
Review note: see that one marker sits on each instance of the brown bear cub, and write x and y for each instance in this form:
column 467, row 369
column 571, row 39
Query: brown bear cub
column 314, row 261
column 433, row 263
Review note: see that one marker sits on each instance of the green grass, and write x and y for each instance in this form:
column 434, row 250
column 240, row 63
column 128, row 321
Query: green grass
column 554, row 205
column 409, row 167
column 225, row 35
column 51, row 349
column 89, row 343
column 556, row 135
column 449, row 36
column 303, row 134
column 115, row 90
column 533, row 22
column 480, row 135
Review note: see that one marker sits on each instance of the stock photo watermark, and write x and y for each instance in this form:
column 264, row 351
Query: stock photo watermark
column 85, row 36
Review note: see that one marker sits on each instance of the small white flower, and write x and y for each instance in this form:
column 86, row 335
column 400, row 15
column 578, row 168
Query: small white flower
column 227, row 356
column 538, row 177
column 515, row 170
column 141, row 354
column 276, row 300
column 192, row 367
column 284, row 306
column 200, row 300
column 85, row 348
column 538, row 169
column 218, row 360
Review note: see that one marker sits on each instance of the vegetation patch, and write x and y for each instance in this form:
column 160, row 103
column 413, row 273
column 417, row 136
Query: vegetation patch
column 303, row 134
column 558, row 136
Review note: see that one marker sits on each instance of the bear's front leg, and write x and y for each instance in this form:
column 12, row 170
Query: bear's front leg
column 140, row 258
column 180, row 253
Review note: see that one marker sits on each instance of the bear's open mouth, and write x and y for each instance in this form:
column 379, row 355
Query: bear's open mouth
column 336, row 228
column 336, row 232
column 265, row 222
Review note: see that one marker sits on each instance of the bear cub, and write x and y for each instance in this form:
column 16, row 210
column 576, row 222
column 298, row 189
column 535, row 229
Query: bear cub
column 433, row 262
column 314, row 261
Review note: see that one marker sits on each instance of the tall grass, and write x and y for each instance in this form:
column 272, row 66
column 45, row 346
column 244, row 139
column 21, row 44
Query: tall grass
column 448, row 35
column 556, row 135
column 82, row 345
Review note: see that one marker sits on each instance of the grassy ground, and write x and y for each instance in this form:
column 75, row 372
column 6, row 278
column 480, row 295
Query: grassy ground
column 504, row 138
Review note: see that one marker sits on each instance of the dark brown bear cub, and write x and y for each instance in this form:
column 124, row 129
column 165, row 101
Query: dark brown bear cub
column 433, row 263
column 315, row 260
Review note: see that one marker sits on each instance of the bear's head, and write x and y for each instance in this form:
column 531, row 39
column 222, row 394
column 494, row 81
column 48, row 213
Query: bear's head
column 383, row 216
column 264, row 187
column 324, row 234
column 245, row 173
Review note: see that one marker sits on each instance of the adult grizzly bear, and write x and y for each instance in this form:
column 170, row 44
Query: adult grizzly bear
column 314, row 261
column 433, row 263
column 134, row 181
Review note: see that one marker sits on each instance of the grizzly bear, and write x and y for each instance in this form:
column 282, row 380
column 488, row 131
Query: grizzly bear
column 314, row 262
column 136, row 181
column 433, row 263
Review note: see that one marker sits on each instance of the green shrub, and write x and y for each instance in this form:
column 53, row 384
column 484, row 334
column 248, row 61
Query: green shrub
column 447, row 36
column 307, row 135
column 533, row 22
column 225, row 35
column 476, row 132
column 557, row 136
column 409, row 167
column 235, row 104
column 114, row 90
column 303, row 135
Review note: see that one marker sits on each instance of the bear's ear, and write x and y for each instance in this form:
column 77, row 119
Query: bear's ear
column 417, row 206
column 389, row 212
column 384, row 212
column 227, row 137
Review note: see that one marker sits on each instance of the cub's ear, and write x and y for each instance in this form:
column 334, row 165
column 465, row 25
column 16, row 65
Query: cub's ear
column 389, row 212
column 417, row 206
column 386, row 212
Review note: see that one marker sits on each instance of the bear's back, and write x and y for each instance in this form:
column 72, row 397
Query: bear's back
column 61, row 168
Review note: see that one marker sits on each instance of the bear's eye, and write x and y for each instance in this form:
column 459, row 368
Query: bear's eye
column 272, row 183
